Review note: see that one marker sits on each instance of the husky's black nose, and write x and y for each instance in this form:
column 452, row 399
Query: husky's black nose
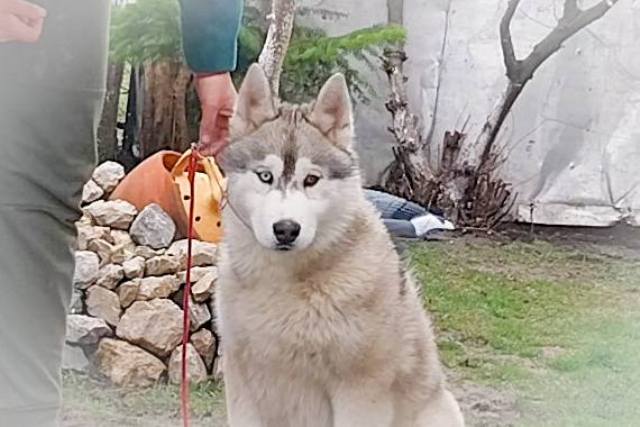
column 286, row 231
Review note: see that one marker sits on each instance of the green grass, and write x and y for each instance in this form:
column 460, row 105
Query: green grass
column 94, row 401
column 560, row 326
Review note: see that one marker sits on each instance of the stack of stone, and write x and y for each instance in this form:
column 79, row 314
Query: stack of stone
column 126, row 312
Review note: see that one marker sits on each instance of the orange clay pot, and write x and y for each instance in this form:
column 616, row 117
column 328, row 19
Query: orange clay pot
column 162, row 179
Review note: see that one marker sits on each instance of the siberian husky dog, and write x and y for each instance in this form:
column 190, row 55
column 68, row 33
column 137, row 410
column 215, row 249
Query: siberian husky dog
column 320, row 324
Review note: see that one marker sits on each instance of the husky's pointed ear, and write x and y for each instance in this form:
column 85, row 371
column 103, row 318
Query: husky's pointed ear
column 331, row 112
column 255, row 102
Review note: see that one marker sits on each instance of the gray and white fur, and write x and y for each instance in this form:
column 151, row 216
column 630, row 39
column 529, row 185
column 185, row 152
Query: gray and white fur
column 320, row 324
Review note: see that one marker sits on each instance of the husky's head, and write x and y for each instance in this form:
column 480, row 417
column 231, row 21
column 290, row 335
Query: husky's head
column 292, row 174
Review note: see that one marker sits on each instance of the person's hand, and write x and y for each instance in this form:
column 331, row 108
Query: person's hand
column 20, row 21
column 217, row 99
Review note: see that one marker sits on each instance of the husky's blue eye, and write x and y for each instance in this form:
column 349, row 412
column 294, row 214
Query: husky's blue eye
column 266, row 177
column 311, row 180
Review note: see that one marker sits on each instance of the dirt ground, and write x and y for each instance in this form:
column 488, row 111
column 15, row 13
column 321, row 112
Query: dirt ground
column 535, row 328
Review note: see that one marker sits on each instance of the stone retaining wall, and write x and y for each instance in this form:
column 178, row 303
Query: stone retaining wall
column 126, row 313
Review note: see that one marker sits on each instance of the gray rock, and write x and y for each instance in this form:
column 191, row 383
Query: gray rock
column 161, row 265
column 203, row 288
column 86, row 270
column 86, row 330
column 87, row 233
column 196, row 369
column 134, row 267
column 121, row 255
column 85, row 219
column 205, row 344
column 216, row 370
column 122, row 239
column 108, row 175
column 199, row 314
column 91, row 192
column 127, row 365
column 128, row 291
column 153, row 227
column 197, row 273
column 112, row 213
column 157, row 287
column 110, row 276
column 154, row 325
column 103, row 249
column 77, row 304
column 74, row 359
column 203, row 253
column 146, row 252
column 104, row 304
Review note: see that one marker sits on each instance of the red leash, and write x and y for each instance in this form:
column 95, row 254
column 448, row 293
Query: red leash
column 184, row 386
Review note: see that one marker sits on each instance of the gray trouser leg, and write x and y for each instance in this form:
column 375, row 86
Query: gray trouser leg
column 45, row 156
column 50, row 100
column 36, row 265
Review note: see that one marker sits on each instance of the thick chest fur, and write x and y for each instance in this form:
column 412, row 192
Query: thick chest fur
column 297, row 326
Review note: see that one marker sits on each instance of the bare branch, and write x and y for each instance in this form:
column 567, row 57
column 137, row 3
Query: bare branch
column 521, row 71
column 508, row 52
column 436, row 101
column 571, row 10
column 571, row 22
column 277, row 42
column 587, row 16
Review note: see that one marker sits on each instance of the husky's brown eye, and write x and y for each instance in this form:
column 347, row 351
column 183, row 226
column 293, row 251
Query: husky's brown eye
column 266, row 177
column 311, row 180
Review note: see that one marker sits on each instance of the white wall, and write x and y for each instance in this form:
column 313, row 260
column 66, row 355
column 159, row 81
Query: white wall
column 574, row 136
column 373, row 139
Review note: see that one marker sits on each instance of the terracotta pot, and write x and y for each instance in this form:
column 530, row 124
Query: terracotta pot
column 162, row 179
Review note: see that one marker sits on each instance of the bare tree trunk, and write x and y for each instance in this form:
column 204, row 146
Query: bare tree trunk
column 180, row 126
column 126, row 156
column 107, row 130
column 492, row 126
column 145, row 135
column 164, row 121
column 395, row 11
column 277, row 42
column 151, row 137
column 410, row 169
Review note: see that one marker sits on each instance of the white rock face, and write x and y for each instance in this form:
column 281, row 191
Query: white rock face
column 203, row 288
column 154, row 325
column 91, row 192
column 157, row 287
column 108, row 175
column 104, row 304
column 84, row 330
column 110, row 276
column 112, row 213
column 196, row 369
column 161, row 265
column 134, row 268
column 127, row 365
column 153, row 227
column 203, row 253
column 86, row 270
